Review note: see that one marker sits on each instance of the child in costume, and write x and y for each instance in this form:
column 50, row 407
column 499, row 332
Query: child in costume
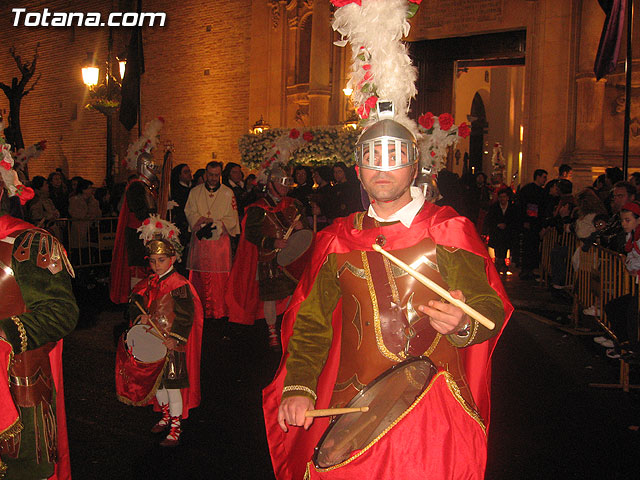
column 174, row 312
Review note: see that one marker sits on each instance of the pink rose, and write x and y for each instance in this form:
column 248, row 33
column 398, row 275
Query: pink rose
column 426, row 120
column 366, row 66
column 308, row 136
column 463, row 130
column 367, row 75
column 171, row 234
column 433, row 154
column 446, row 121
column 294, row 133
column 6, row 165
column 146, row 222
column 158, row 224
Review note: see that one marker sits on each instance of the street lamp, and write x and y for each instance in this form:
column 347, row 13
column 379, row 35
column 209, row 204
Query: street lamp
column 122, row 64
column 90, row 71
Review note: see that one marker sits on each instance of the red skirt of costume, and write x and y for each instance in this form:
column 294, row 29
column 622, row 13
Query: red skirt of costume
column 137, row 382
column 10, row 421
column 411, row 448
column 291, row 451
column 209, row 264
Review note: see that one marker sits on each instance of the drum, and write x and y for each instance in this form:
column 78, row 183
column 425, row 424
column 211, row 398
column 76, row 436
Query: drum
column 297, row 244
column 143, row 345
column 388, row 397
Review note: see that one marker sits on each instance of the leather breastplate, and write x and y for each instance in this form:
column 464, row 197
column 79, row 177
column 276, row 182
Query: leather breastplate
column 163, row 314
column 12, row 301
column 381, row 325
column 275, row 225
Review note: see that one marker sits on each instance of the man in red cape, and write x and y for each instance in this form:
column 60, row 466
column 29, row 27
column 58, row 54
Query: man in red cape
column 459, row 439
column 39, row 310
column 242, row 293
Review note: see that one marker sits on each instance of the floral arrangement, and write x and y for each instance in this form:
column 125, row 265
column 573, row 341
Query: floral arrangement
column 381, row 67
column 155, row 228
column 10, row 176
column 316, row 146
column 145, row 143
column 438, row 134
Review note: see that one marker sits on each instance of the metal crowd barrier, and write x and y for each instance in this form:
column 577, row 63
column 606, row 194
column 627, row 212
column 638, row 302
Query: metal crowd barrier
column 601, row 276
column 89, row 242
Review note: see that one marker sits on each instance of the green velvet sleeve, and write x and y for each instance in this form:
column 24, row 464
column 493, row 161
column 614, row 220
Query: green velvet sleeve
column 184, row 311
column 52, row 312
column 465, row 271
column 312, row 333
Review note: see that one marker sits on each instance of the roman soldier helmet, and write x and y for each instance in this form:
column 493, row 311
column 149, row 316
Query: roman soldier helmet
column 386, row 144
column 139, row 157
column 160, row 237
column 147, row 170
column 280, row 176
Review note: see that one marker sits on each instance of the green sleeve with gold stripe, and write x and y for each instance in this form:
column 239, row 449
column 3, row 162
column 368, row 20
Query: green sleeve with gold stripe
column 465, row 271
column 52, row 312
column 312, row 332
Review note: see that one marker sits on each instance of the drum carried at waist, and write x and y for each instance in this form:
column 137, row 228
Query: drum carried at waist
column 294, row 257
column 140, row 359
column 388, row 397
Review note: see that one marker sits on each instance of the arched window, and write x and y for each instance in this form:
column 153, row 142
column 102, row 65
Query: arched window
column 478, row 127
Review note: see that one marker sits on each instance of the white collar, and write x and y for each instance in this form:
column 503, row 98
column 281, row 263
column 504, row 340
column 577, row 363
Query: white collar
column 407, row 213
column 188, row 185
column 166, row 273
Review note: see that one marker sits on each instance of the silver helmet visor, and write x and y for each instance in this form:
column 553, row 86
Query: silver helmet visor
column 386, row 153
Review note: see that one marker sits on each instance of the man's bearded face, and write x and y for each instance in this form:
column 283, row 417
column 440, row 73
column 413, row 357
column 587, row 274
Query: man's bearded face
column 212, row 176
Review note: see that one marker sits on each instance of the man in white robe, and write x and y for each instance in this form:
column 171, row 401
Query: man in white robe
column 213, row 218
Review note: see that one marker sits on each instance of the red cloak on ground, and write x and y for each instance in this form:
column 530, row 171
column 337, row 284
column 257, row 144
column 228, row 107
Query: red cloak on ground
column 8, row 412
column 291, row 451
column 136, row 382
column 242, row 295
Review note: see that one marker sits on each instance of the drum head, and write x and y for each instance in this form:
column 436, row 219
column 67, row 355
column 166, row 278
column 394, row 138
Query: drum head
column 387, row 397
column 143, row 345
column 297, row 244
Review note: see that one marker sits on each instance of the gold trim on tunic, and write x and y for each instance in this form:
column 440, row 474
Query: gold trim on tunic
column 455, row 391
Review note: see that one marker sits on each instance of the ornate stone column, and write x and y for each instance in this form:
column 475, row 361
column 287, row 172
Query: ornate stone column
column 320, row 68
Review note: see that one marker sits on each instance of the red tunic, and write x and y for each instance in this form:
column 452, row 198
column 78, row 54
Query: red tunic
column 291, row 451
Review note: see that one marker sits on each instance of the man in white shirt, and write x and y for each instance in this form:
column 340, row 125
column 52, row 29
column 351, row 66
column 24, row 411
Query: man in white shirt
column 213, row 218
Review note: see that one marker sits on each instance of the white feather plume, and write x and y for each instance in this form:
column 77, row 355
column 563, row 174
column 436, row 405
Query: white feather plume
column 145, row 143
column 380, row 59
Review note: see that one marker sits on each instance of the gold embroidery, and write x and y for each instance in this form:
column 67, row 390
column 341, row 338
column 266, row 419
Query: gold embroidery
column 423, row 260
column 397, row 271
column 357, row 384
column 22, row 332
column 357, row 320
column 357, row 272
column 300, row 388
column 453, row 388
column 433, row 345
column 376, row 312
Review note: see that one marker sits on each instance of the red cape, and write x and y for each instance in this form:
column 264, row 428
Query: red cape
column 291, row 451
column 190, row 395
column 9, row 225
column 242, row 294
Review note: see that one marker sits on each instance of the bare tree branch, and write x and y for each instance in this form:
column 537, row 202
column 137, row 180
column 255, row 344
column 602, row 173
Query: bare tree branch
column 32, row 85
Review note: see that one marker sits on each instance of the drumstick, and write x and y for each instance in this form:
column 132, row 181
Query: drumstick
column 326, row 412
column 437, row 289
column 144, row 312
column 289, row 231
column 315, row 223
